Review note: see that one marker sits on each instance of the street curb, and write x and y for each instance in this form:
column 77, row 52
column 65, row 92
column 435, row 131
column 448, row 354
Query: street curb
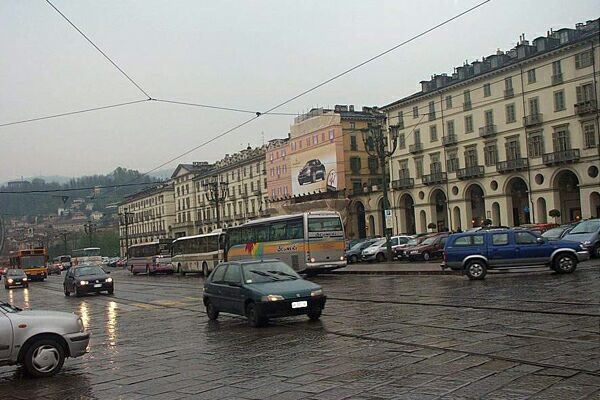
column 392, row 273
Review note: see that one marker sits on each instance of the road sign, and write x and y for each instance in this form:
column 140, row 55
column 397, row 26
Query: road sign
column 388, row 218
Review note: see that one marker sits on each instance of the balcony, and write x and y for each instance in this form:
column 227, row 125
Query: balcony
column 509, row 93
column 435, row 178
column 586, row 107
column 487, row 131
column 557, row 79
column 403, row 183
column 244, row 195
column 467, row 106
column 561, row 157
column 449, row 140
column 517, row 164
column 532, row 120
column 476, row 171
column 257, row 193
column 416, row 148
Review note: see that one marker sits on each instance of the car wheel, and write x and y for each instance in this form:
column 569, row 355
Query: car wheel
column 111, row 292
column 476, row 270
column 565, row 263
column 205, row 270
column 27, row 285
column 67, row 293
column 596, row 251
column 77, row 294
column 426, row 256
column 44, row 357
column 147, row 270
column 380, row 257
column 314, row 314
column 353, row 259
column 211, row 311
column 254, row 318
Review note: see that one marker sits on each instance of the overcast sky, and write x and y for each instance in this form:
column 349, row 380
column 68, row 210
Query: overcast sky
column 241, row 54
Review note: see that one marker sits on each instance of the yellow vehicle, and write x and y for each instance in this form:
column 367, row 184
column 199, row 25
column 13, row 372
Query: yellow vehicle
column 31, row 261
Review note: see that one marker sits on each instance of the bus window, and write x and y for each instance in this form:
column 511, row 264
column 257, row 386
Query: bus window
column 212, row 243
column 247, row 235
column 234, row 237
column 261, row 233
column 277, row 231
column 295, row 229
column 324, row 224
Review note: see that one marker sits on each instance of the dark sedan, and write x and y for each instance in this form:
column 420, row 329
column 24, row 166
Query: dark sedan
column 15, row 278
column 259, row 290
column 354, row 253
column 84, row 279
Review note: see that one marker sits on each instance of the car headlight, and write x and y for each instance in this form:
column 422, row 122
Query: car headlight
column 10, row 280
column 582, row 247
column 318, row 292
column 342, row 258
column 81, row 326
column 109, row 279
column 312, row 259
column 25, row 279
column 272, row 297
column 83, row 283
column 587, row 242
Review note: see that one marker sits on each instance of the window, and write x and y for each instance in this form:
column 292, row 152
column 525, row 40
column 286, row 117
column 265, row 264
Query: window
column 331, row 136
column 490, row 154
column 513, row 148
column 487, row 90
column 433, row 133
column 534, row 106
column 468, row 123
column 419, row 167
column 277, row 231
column 400, row 120
column 488, row 117
column 448, row 102
column 500, row 239
column 431, row 110
column 471, row 157
column 589, row 134
column 356, row 187
column 525, row 238
column 403, row 172
column 467, row 98
column 401, row 141
column 508, row 86
column 510, row 113
column 560, row 139
column 469, row 240
column 531, row 76
column 355, row 165
column 536, row 144
column 373, row 165
column 559, row 100
column 415, row 112
column 450, row 127
column 436, row 166
column 219, row 273
column 417, row 136
column 556, row 68
column 585, row 92
column 353, row 144
column 584, row 59
column 453, row 163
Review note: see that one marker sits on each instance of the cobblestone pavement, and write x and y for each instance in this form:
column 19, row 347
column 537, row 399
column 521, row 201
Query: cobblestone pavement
column 512, row 336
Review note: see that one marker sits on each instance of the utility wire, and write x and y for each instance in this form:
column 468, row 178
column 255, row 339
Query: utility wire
column 77, row 189
column 187, row 103
column 73, row 112
column 99, row 50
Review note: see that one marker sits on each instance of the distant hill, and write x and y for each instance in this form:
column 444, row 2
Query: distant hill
column 162, row 174
column 48, row 179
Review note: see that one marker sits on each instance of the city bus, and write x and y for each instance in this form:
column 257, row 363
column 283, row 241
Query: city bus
column 31, row 261
column 88, row 255
column 310, row 242
column 151, row 257
column 199, row 253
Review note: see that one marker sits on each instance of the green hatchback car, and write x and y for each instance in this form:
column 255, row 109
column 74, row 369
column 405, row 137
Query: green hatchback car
column 259, row 290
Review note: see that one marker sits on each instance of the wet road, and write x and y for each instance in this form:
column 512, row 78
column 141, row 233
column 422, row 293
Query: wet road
column 512, row 336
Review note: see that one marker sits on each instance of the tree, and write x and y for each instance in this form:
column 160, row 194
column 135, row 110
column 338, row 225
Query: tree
column 431, row 226
column 554, row 213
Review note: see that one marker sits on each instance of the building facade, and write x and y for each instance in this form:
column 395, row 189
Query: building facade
column 240, row 181
column 186, row 197
column 150, row 216
column 507, row 138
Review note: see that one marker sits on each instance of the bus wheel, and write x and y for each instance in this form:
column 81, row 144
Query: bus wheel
column 205, row 270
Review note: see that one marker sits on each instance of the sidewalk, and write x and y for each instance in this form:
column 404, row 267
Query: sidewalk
column 395, row 268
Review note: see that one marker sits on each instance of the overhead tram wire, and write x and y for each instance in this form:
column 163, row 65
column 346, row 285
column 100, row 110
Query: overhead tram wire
column 187, row 103
column 77, row 189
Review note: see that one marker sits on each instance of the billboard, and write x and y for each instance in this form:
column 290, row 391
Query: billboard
column 315, row 169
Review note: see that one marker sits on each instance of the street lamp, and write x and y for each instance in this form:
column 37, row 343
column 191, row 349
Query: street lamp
column 378, row 145
column 125, row 218
column 216, row 191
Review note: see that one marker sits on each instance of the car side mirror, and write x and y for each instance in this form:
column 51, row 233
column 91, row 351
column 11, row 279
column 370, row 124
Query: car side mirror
column 540, row 240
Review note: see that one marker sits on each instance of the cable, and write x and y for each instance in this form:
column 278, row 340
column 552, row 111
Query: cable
column 185, row 103
column 99, row 50
column 76, row 189
column 73, row 112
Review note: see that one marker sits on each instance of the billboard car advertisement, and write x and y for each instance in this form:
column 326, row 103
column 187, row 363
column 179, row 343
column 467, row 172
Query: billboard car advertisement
column 315, row 169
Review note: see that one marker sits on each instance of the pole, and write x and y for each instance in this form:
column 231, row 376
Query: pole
column 126, row 234
column 386, row 206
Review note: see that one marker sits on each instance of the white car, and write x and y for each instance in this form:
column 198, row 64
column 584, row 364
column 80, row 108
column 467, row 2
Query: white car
column 40, row 340
column 377, row 251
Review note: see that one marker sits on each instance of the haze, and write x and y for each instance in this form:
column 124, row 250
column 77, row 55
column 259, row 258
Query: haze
column 249, row 55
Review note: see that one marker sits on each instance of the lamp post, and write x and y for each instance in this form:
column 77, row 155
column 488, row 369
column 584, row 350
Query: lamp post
column 125, row 218
column 216, row 191
column 90, row 228
column 376, row 145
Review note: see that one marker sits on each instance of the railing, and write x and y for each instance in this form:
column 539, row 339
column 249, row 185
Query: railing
column 487, row 131
column 509, row 93
column 470, row 172
column 416, row 148
column 561, row 157
column 516, row 164
column 532, row 120
column 586, row 107
column 557, row 79
column 435, row 178
column 449, row 140
column 403, row 183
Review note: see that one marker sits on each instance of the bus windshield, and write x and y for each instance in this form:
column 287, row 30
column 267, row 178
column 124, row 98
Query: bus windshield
column 32, row 261
column 330, row 224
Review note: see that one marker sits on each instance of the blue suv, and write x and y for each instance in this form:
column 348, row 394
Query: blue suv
column 476, row 252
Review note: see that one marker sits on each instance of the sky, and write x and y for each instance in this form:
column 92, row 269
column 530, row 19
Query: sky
column 249, row 55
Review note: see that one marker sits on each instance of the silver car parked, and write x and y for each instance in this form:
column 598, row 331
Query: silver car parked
column 40, row 340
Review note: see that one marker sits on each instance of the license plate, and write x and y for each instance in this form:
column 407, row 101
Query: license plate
column 299, row 304
column 98, row 285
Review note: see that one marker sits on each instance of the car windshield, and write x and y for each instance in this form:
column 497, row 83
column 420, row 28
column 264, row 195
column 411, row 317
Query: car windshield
column 428, row 240
column 15, row 272
column 413, row 242
column 378, row 243
column 33, row 261
column 553, row 233
column 89, row 271
column 268, row 272
column 9, row 308
column 590, row 226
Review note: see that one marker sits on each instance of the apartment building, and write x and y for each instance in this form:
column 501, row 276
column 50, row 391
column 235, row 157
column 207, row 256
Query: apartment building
column 186, row 196
column 150, row 213
column 240, row 182
column 507, row 138
column 278, row 167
